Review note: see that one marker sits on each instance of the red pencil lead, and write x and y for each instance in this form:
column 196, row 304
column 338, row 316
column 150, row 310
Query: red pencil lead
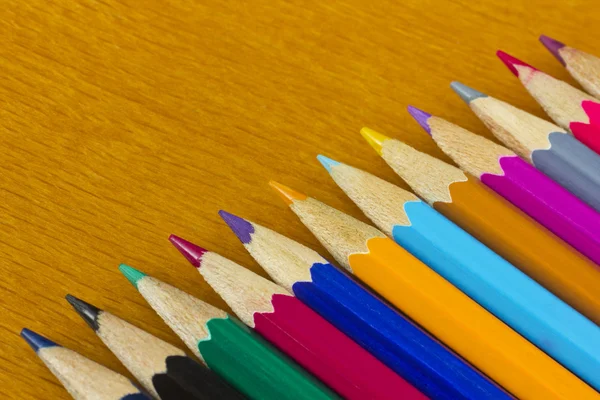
column 193, row 253
column 511, row 62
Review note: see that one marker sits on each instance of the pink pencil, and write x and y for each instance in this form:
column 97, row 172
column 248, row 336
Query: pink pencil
column 508, row 175
column 297, row 330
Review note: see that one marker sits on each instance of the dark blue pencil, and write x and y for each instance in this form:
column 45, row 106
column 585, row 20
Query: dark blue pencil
column 387, row 334
column 82, row 377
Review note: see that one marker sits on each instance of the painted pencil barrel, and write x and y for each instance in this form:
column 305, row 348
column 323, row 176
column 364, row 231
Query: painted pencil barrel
column 548, row 203
column 502, row 289
column 254, row 367
column 455, row 319
column 187, row 379
column 328, row 354
column 588, row 134
column 575, row 167
column 396, row 341
column 525, row 244
column 480, row 212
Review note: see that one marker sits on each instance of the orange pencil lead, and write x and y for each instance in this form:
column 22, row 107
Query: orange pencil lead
column 287, row 194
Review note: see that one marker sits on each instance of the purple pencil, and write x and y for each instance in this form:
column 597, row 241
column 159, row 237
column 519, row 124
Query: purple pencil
column 520, row 183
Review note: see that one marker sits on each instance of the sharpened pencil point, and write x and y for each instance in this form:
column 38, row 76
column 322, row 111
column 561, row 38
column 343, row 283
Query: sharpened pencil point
column 374, row 138
column 553, row 47
column 132, row 274
column 327, row 162
column 88, row 312
column 287, row 194
column 466, row 93
column 192, row 252
column 421, row 117
column 35, row 340
column 242, row 228
column 511, row 62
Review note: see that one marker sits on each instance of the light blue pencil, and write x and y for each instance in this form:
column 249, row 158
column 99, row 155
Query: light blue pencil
column 493, row 282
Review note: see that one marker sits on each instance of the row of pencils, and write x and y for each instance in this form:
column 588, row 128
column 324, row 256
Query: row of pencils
column 485, row 286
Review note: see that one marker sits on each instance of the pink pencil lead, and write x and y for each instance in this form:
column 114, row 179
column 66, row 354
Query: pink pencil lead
column 511, row 62
column 193, row 253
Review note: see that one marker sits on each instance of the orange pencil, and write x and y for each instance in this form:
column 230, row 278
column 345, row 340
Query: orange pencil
column 493, row 221
column 437, row 305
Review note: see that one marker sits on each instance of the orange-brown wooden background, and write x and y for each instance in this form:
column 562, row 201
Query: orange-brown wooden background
column 122, row 121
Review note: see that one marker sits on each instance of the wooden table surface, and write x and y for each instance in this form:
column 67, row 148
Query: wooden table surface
column 122, row 122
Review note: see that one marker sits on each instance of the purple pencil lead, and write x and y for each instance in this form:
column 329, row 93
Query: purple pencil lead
column 553, row 46
column 242, row 228
column 421, row 117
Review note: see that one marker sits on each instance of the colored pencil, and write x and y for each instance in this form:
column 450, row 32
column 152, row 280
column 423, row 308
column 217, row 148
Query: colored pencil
column 487, row 278
column 226, row 345
column 391, row 337
column 569, row 107
column 549, row 148
column 435, row 304
column 468, row 203
column 163, row 369
column 83, row 378
column 297, row 330
column 582, row 66
column 542, row 199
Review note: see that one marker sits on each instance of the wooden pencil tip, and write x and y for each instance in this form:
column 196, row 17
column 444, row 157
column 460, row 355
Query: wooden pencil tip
column 35, row 340
column 86, row 311
column 374, row 138
column 421, row 117
column 553, row 47
column 192, row 252
column 511, row 62
column 287, row 194
column 466, row 93
column 242, row 228
column 132, row 274
column 327, row 162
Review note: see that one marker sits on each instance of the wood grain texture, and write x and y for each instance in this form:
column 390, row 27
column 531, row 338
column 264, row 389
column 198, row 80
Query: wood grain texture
column 123, row 121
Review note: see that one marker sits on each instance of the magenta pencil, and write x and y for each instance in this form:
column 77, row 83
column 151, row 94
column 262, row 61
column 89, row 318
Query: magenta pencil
column 297, row 330
column 508, row 175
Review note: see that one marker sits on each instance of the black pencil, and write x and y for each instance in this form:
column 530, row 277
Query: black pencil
column 163, row 369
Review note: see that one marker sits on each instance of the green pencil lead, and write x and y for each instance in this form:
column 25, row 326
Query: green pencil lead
column 132, row 274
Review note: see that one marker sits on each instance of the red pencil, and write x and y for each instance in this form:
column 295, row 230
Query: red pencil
column 569, row 107
column 297, row 330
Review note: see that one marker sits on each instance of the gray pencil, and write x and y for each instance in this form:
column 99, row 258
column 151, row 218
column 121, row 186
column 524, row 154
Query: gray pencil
column 548, row 147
